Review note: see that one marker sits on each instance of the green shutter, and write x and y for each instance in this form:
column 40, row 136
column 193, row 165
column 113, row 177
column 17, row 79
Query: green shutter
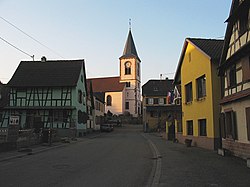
column 222, row 125
column 234, row 126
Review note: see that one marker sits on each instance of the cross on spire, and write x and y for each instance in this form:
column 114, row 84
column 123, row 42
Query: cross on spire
column 130, row 24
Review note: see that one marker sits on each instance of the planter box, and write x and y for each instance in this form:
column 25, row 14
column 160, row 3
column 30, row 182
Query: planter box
column 188, row 142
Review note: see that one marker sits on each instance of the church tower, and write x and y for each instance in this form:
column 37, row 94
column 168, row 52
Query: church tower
column 130, row 74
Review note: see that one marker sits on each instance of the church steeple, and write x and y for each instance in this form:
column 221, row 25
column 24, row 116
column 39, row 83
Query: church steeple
column 129, row 49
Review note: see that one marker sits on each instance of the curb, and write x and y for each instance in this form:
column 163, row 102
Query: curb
column 154, row 178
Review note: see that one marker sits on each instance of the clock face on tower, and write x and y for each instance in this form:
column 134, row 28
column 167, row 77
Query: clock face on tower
column 128, row 64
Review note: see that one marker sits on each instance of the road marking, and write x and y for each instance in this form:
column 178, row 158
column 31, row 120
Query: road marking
column 155, row 175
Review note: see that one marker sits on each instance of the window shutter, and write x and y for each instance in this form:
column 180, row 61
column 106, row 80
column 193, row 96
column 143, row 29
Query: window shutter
column 248, row 122
column 222, row 125
column 245, row 68
column 234, row 125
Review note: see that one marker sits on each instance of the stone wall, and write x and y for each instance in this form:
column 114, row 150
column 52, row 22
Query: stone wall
column 238, row 149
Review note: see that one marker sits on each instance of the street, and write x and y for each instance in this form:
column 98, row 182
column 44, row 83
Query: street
column 119, row 158
column 125, row 157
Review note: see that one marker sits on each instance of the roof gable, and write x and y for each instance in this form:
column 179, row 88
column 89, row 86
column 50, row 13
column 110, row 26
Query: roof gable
column 47, row 74
column 210, row 47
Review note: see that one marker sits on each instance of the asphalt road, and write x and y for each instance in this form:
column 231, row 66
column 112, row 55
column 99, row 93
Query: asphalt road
column 119, row 158
column 125, row 157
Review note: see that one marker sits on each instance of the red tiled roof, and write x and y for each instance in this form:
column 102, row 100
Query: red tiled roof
column 107, row 84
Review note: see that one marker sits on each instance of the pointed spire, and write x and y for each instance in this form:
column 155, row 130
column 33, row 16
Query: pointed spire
column 129, row 49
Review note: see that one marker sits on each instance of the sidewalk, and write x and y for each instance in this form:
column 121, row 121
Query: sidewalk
column 9, row 155
column 192, row 166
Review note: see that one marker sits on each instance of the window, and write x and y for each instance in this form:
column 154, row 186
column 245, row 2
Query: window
column 201, row 87
column 83, row 98
column 161, row 101
column 58, row 116
column 127, row 68
column 202, row 127
column 243, row 21
column 232, row 77
column 127, row 105
column 156, row 101
column 150, row 101
column 81, row 78
column 66, row 114
column 155, row 114
column 189, row 93
column 79, row 96
column 230, row 125
column 1, row 117
column 248, row 122
column 190, row 127
column 109, row 100
column 127, row 84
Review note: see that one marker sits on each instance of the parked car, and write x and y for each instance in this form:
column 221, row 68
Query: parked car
column 116, row 123
column 107, row 127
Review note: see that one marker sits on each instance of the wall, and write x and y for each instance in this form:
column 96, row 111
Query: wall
column 118, row 102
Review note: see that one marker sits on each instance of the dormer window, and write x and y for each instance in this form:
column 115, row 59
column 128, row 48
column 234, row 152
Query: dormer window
column 128, row 68
column 156, row 89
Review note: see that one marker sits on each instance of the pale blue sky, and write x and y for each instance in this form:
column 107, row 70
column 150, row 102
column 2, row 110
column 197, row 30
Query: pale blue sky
column 96, row 30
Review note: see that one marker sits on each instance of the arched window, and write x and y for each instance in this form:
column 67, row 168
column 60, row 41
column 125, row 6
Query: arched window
column 109, row 100
column 127, row 68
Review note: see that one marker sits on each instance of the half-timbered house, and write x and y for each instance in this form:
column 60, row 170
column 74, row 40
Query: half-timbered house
column 3, row 102
column 48, row 94
column 234, row 71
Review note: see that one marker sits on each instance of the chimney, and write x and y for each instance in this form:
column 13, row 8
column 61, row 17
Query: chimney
column 43, row 59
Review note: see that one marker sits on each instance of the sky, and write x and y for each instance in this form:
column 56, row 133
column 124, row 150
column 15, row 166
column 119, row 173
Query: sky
column 96, row 31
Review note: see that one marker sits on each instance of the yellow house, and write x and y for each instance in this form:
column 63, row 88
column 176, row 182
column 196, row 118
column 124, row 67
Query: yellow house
column 200, row 90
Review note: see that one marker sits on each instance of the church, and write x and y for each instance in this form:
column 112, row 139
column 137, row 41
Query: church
column 122, row 93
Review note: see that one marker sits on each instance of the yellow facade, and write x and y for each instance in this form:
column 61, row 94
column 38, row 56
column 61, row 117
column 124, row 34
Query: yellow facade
column 196, row 64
